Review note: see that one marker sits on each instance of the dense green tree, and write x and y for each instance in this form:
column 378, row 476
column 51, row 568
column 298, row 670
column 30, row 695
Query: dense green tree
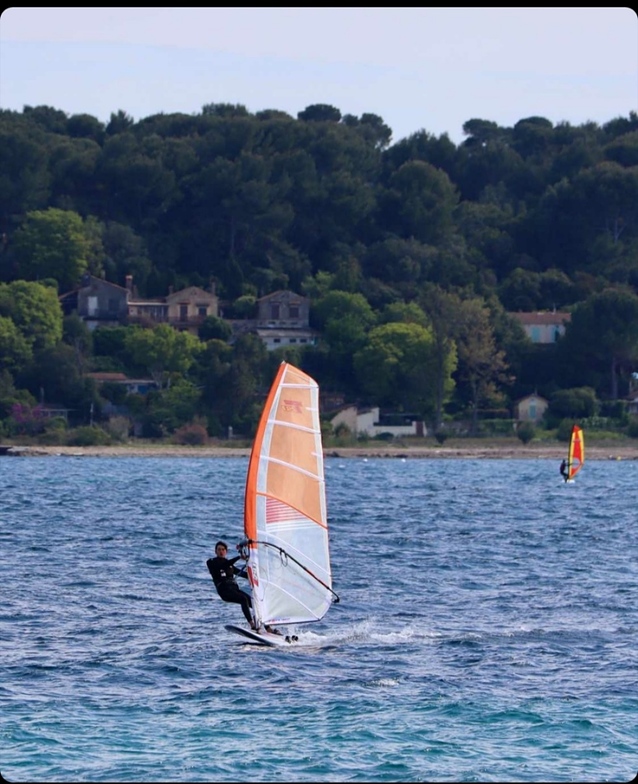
column 396, row 260
column 320, row 112
column 15, row 349
column 10, row 395
column 445, row 314
column 162, row 351
column 75, row 185
column 482, row 364
column 76, row 334
column 168, row 409
column 54, row 377
column 405, row 312
column 246, row 385
column 119, row 122
column 47, row 117
column 24, row 172
column 337, row 304
column 420, row 202
column 35, row 310
column 579, row 220
column 521, row 290
column 52, row 243
column 604, row 330
column 214, row 328
column 576, row 403
column 85, row 126
column 396, row 366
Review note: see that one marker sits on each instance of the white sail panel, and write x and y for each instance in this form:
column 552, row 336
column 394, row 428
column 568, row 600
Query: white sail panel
column 285, row 512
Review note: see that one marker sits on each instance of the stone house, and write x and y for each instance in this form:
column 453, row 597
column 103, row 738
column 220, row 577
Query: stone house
column 185, row 309
column 283, row 319
column 97, row 301
column 543, row 327
column 530, row 408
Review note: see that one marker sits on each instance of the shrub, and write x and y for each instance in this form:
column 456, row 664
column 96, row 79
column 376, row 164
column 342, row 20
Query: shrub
column 577, row 403
column 632, row 429
column 385, row 436
column 526, row 432
column 90, row 435
column 342, row 430
column 58, row 423
column 118, row 427
column 52, row 438
column 192, row 434
column 441, row 436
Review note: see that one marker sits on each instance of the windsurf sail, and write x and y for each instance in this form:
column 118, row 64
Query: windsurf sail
column 285, row 516
column 576, row 453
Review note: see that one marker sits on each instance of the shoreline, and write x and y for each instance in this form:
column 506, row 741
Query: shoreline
column 624, row 451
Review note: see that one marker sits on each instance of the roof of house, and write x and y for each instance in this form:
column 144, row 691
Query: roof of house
column 281, row 292
column 119, row 378
column 107, row 376
column 190, row 291
column 284, row 332
column 540, row 319
column 531, row 395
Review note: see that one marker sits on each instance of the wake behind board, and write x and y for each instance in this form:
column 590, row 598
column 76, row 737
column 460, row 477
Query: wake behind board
column 263, row 637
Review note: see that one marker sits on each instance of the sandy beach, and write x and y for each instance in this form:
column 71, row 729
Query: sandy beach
column 624, row 450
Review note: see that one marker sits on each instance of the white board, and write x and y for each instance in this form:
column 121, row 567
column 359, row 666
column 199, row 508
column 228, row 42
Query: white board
column 264, row 637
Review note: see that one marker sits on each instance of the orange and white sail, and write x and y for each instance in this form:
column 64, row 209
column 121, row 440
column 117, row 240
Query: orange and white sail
column 576, row 454
column 285, row 517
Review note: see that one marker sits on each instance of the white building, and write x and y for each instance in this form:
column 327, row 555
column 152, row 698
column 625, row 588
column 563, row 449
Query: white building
column 369, row 421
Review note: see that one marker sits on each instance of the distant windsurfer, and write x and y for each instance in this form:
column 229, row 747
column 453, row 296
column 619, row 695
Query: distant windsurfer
column 563, row 470
column 223, row 571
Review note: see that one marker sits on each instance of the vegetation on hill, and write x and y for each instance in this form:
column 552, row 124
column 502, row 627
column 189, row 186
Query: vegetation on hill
column 412, row 254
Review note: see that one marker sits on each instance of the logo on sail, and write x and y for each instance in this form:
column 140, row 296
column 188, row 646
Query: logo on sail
column 292, row 405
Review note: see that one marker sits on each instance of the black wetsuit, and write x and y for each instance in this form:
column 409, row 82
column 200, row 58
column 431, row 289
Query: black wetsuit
column 563, row 470
column 223, row 571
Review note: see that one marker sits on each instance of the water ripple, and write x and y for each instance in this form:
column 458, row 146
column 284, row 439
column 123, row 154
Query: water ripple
column 486, row 630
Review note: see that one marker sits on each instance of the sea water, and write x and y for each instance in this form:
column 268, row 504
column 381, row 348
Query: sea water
column 487, row 628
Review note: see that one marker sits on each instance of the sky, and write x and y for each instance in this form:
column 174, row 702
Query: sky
column 429, row 69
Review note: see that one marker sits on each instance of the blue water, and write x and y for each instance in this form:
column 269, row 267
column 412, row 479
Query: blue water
column 487, row 629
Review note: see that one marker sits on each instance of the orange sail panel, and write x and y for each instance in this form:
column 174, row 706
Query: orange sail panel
column 285, row 516
column 576, row 455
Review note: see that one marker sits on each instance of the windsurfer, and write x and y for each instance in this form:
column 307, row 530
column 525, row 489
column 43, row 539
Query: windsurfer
column 563, row 470
column 223, row 571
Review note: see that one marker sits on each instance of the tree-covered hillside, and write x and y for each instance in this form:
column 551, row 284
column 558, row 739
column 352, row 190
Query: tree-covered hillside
column 443, row 239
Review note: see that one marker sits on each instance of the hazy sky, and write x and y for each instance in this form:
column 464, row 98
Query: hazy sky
column 418, row 68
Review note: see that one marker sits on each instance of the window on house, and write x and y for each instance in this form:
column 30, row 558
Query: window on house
column 274, row 311
column 293, row 311
column 276, row 340
column 536, row 334
column 293, row 340
column 183, row 312
column 202, row 310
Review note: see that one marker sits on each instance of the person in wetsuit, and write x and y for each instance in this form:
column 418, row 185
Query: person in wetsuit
column 563, row 470
column 223, row 571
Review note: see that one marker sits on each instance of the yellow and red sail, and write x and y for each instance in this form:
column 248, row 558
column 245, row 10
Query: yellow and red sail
column 576, row 454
